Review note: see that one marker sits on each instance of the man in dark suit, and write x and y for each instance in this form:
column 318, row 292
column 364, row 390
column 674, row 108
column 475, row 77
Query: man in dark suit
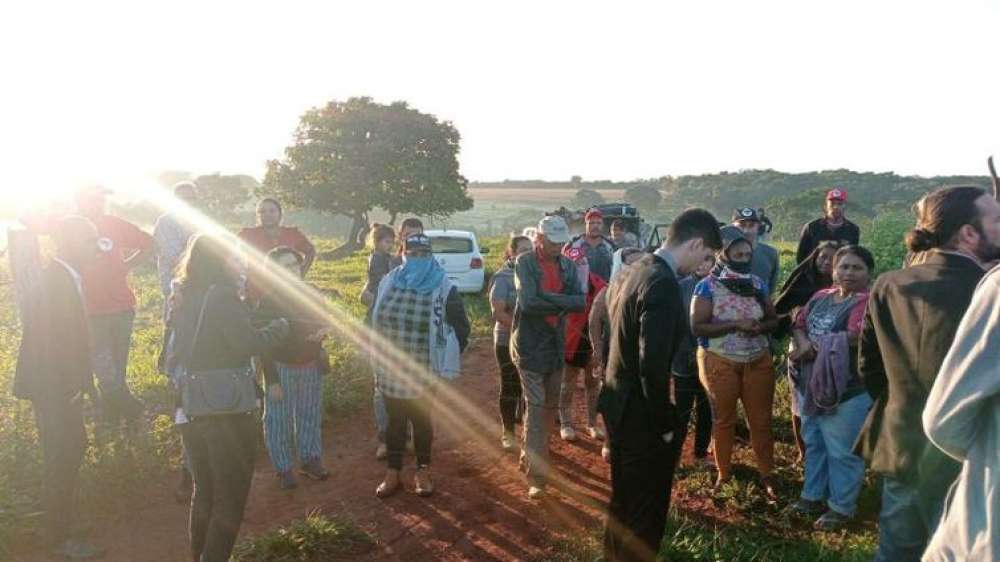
column 647, row 322
column 911, row 321
column 54, row 371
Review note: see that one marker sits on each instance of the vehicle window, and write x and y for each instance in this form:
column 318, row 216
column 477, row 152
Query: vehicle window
column 451, row 245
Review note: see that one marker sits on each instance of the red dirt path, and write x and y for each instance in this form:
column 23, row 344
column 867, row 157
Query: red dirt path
column 480, row 510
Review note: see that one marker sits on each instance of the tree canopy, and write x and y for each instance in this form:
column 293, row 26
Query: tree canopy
column 645, row 197
column 585, row 199
column 348, row 158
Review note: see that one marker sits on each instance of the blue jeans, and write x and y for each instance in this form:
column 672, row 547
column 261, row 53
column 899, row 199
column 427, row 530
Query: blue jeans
column 908, row 518
column 833, row 472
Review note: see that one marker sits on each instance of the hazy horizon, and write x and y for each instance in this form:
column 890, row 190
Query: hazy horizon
column 116, row 92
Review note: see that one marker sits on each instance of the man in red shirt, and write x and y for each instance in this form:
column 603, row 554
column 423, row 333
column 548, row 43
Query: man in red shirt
column 109, row 300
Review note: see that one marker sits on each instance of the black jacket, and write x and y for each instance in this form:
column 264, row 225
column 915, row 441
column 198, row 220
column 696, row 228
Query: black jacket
column 909, row 327
column 647, row 323
column 54, row 359
column 227, row 338
column 817, row 231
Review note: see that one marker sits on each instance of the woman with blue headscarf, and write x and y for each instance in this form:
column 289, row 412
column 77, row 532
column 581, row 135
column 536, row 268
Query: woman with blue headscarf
column 421, row 329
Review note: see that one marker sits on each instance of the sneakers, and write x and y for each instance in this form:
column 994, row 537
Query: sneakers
column 536, row 492
column 831, row 521
column 595, row 433
column 314, row 470
column 808, row 507
column 567, row 433
column 422, row 483
column 286, row 480
column 77, row 550
column 382, row 452
column 507, row 441
column 389, row 485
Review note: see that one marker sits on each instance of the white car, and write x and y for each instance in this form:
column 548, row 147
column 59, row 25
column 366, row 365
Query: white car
column 459, row 254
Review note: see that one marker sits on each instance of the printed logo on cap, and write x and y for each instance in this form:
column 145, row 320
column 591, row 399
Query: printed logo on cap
column 747, row 212
column 836, row 194
column 105, row 244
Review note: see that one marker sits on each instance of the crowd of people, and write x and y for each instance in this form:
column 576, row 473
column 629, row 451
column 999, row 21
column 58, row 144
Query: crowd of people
column 897, row 372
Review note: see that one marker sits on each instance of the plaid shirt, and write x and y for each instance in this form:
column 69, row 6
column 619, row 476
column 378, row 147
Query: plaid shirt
column 402, row 320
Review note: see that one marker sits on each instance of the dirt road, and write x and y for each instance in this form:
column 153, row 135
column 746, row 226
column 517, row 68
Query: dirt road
column 480, row 510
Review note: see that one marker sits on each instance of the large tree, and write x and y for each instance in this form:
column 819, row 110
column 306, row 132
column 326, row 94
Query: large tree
column 644, row 196
column 350, row 157
column 224, row 195
column 586, row 198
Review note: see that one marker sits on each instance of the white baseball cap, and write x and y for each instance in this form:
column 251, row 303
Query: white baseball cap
column 554, row 229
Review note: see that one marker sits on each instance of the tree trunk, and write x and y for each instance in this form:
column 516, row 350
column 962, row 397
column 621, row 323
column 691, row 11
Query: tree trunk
column 359, row 224
column 392, row 218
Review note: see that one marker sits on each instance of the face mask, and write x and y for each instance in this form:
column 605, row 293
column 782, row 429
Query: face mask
column 738, row 267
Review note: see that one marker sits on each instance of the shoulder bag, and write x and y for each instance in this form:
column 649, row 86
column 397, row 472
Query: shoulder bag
column 215, row 392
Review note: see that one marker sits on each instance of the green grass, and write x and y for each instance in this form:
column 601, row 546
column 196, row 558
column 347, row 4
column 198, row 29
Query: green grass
column 119, row 467
column 317, row 538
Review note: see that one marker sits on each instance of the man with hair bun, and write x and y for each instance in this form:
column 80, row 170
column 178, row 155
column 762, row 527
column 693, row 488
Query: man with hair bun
column 909, row 326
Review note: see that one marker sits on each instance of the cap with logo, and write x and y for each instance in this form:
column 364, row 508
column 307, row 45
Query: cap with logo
column 836, row 194
column 417, row 242
column 575, row 255
column 593, row 215
column 746, row 214
column 554, row 229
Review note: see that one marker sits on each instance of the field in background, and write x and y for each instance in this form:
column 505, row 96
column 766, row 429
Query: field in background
column 555, row 196
column 118, row 467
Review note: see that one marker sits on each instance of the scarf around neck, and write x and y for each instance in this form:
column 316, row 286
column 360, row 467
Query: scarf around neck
column 420, row 274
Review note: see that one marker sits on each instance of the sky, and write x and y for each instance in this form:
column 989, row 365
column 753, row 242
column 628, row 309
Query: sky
column 114, row 92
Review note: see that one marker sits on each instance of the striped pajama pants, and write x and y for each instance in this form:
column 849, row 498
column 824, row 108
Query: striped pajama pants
column 296, row 418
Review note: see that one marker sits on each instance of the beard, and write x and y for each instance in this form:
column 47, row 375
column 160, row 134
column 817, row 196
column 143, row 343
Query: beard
column 987, row 251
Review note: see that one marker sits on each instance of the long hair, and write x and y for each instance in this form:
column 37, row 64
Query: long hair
column 379, row 232
column 941, row 214
column 205, row 263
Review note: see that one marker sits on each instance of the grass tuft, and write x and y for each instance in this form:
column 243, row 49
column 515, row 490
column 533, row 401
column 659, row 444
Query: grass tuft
column 313, row 539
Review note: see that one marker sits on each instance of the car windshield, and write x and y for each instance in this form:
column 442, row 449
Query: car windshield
column 451, row 245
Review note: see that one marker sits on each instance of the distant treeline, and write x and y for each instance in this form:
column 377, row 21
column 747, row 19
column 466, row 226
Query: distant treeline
column 790, row 199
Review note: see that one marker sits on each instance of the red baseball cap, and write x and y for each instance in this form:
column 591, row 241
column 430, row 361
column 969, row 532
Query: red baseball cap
column 593, row 214
column 836, row 194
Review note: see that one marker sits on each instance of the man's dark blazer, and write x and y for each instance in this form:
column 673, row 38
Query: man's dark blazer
column 909, row 326
column 54, row 358
column 647, row 321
